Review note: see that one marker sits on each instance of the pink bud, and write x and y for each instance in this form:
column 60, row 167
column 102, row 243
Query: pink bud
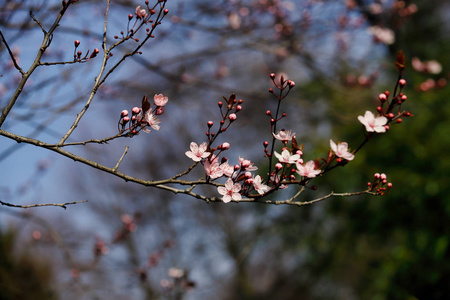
column 278, row 166
column 210, row 124
column 225, row 146
column 403, row 97
column 238, row 108
column 380, row 109
column 220, row 103
column 387, row 127
column 383, row 176
column 136, row 110
column 130, row 16
column 236, row 167
column 382, row 97
column 402, row 82
column 291, row 84
column 389, row 185
column 232, row 117
column 166, row 11
column 77, row 43
column 266, row 143
column 390, row 115
column 248, row 175
column 299, row 152
column 272, row 75
column 124, row 113
column 377, row 175
column 268, row 113
column 159, row 110
column 271, row 90
column 126, row 119
column 398, row 120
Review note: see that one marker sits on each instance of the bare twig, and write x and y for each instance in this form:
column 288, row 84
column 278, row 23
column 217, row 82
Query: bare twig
column 16, row 65
column 121, row 158
column 63, row 205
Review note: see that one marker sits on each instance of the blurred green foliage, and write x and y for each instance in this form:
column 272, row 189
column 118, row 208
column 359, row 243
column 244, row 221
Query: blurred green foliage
column 23, row 274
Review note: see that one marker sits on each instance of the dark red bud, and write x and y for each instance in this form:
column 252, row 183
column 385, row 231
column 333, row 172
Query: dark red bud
column 283, row 115
column 398, row 120
column 271, row 90
column 380, row 109
column 266, row 143
column 210, row 124
column 272, row 75
column 268, row 113
column 130, row 16
column 220, row 104
column 390, row 115
column 76, row 43
column 166, row 11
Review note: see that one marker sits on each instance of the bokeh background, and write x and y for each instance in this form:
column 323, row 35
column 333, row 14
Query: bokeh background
column 132, row 242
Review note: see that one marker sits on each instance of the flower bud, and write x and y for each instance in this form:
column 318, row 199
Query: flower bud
column 398, row 120
column 402, row 82
column 130, row 16
column 220, row 103
column 76, row 43
column 238, row 108
column 159, row 110
column 271, row 90
column 166, row 11
column 248, row 175
column 236, row 167
column 210, row 124
column 135, row 110
column 379, row 109
column 376, row 176
column 225, row 146
column 278, row 166
column 383, row 176
column 390, row 115
column 272, row 75
column 382, row 97
column 266, row 143
column 232, row 117
column 124, row 113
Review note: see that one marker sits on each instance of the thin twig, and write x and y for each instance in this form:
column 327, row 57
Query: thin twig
column 121, row 158
column 16, row 65
column 63, row 205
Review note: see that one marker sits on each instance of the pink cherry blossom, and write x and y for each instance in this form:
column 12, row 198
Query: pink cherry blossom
column 213, row 169
column 284, row 135
column 286, row 157
column 151, row 121
column 140, row 13
column 227, row 169
column 259, row 186
column 197, row 153
column 308, row 170
column 230, row 191
column 373, row 124
column 160, row 100
column 341, row 150
column 247, row 165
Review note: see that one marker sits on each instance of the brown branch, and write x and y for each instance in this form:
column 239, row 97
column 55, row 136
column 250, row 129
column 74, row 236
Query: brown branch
column 63, row 205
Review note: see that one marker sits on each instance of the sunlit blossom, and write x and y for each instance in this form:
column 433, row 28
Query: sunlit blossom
column 150, row 119
column 160, row 100
column 247, row 164
column 259, row 186
column 372, row 123
column 198, row 152
column 308, row 170
column 284, row 135
column 341, row 150
column 213, row 169
column 286, row 157
column 140, row 12
column 227, row 169
column 230, row 191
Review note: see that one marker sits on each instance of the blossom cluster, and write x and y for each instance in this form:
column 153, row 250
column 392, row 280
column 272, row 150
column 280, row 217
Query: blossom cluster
column 142, row 118
column 290, row 168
